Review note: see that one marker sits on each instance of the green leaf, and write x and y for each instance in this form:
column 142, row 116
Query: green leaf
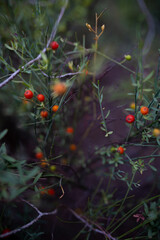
column 101, row 98
column 149, row 233
column 151, row 160
column 132, row 79
column 7, row 46
column 153, row 168
column 9, row 159
column 152, row 215
column 158, row 141
column 36, row 189
column 94, row 85
column 31, row 174
column 108, row 133
column 149, row 76
column 16, row 192
column 148, row 90
column 37, row 178
column 10, row 68
column 3, row 149
column 107, row 114
column 3, row 133
column 26, row 84
column 103, row 129
column 146, row 208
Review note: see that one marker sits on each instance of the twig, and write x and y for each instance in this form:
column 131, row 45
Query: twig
column 53, row 33
column 61, row 189
column 62, row 76
column 87, row 224
column 40, row 214
column 151, row 26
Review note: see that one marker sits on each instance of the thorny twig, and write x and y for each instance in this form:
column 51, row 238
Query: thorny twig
column 87, row 224
column 52, row 35
column 40, row 214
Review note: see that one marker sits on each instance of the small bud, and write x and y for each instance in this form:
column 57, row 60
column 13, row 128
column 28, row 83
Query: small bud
column 70, row 65
column 128, row 57
column 102, row 27
column 89, row 27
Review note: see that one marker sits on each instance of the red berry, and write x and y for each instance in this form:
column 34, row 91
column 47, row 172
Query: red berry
column 28, row 94
column 51, row 192
column 44, row 114
column 69, row 130
column 39, row 155
column 40, row 97
column 130, row 119
column 120, row 150
column 54, row 45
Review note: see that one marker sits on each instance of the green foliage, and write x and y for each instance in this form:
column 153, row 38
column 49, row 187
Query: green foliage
column 28, row 26
column 152, row 214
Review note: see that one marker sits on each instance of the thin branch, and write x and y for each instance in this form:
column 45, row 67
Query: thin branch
column 40, row 214
column 69, row 74
column 62, row 76
column 87, row 224
column 151, row 26
column 60, row 183
column 53, row 33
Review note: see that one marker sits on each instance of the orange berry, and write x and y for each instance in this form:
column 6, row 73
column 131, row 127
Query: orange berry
column 39, row 155
column 59, row 88
column 73, row 147
column 51, row 192
column 144, row 110
column 156, row 132
column 44, row 163
column 55, row 108
column 69, row 130
column 25, row 102
column 44, row 114
column 120, row 150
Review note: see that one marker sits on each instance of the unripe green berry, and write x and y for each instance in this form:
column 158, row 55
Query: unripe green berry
column 128, row 57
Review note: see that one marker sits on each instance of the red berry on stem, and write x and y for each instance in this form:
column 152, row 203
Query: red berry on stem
column 130, row 119
column 51, row 192
column 54, row 45
column 28, row 94
column 39, row 155
column 41, row 97
column 44, row 114
column 120, row 150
